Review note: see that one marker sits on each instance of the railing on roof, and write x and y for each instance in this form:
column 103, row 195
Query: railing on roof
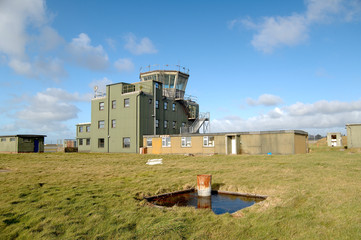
column 165, row 67
column 128, row 88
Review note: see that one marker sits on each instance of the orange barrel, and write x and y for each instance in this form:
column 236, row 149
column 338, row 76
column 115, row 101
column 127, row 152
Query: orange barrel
column 204, row 185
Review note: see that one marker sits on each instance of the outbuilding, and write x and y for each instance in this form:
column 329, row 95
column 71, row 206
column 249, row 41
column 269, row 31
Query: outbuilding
column 334, row 139
column 22, row 143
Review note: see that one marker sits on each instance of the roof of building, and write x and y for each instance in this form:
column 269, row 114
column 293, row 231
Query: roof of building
column 237, row 133
column 24, row 135
column 353, row 124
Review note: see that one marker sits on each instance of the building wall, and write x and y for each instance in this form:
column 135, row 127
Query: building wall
column 83, row 137
column 275, row 143
column 245, row 143
column 9, row 146
column 301, row 143
column 353, row 135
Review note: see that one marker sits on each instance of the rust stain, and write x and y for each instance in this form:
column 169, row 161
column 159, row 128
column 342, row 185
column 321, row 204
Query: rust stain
column 203, row 181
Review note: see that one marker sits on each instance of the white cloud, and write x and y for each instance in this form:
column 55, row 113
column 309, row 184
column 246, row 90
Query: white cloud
column 16, row 18
column 145, row 46
column 86, row 55
column 277, row 31
column 319, row 115
column 266, row 100
column 45, row 112
column 124, row 65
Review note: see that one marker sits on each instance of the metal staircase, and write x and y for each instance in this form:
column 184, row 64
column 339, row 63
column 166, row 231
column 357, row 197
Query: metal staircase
column 203, row 120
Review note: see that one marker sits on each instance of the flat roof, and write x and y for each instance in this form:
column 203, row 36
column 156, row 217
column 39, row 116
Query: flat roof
column 353, row 124
column 24, row 135
column 235, row 133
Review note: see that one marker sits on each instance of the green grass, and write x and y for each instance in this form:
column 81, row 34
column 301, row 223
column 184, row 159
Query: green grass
column 98, row 196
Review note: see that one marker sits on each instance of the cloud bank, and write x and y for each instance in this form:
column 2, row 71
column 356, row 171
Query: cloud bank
column 276, row 31
column 318, row 115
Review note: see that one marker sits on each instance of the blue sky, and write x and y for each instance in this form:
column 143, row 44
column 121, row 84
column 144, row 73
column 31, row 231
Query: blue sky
column 254, row 65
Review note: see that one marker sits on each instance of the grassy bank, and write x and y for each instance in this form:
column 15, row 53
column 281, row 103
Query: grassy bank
column 96, row 196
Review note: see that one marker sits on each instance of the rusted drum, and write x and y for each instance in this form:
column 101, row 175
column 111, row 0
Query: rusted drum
column 204, row 185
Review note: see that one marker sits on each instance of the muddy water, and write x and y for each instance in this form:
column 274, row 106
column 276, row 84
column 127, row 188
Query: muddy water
column 219, row 203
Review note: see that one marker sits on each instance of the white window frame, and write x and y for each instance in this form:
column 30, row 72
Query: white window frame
column 174, row 124
column 165, row 105
column 126, row 102
column 156, row 104
column 125, row 144
column 149, row 142
column 114, row 104
column 166, row 142
column 87, row 129
column 101, row 124
column 88, row 141
column 186, row 141
column 101, row 106
column 114, row 123
column 207, row 142
column 156, row 123
column 173, row 107
column 165, row 124
column 80, row 128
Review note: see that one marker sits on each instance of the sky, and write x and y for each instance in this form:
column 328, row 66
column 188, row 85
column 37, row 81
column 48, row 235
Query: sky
column 254, row 65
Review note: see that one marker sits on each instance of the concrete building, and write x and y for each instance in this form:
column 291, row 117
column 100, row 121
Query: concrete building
column 353, row 135
column 265, row 142
column 24, row 143
column 120, row 117
column 334, row 139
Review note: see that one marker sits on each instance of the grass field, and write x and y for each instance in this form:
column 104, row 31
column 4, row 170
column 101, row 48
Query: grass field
column 98, row 196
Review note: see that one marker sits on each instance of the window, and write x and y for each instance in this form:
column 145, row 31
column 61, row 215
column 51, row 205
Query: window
column 114, row 104
column 80, row 128
column 186, row 141
column 173, row 107
column 101, row 124
column 149, row 142
column 80, row 141
column 165, row 124
column 88, row 141
column 126, row 142
column 156, row 85
column 150, row 101
column 114, row 123
column 166, row 142
column 183, row 124
column 174, row 124
column 100, row 142
column 156, row 104
column 101, row 106
column 165, row 105
column 88, row 128
column 156, row 123
column 3, row 139
column 12, row 139
column 27, row 140
column 126, row 102
column 208, row 141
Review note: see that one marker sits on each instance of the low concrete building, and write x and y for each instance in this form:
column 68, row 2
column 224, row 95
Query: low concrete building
column 334, row 139
column 353, row 135
column 25, row 143
column 266, row 142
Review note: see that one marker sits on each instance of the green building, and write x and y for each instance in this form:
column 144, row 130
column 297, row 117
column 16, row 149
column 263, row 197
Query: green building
column 25, row 143
column 154, row 106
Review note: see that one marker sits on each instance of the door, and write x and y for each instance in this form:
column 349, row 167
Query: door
column 36, row 145
column 234, row 145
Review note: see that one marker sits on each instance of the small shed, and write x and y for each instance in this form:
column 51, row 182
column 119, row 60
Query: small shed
column 353, row 135
column 22, row 143
column 334, row 139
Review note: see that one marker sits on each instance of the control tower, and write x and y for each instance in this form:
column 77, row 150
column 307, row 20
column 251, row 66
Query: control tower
column 174, row 81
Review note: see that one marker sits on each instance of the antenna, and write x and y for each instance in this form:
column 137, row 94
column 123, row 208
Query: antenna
column 95, row 91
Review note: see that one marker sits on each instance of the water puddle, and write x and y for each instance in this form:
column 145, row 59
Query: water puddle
column 219, row 202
